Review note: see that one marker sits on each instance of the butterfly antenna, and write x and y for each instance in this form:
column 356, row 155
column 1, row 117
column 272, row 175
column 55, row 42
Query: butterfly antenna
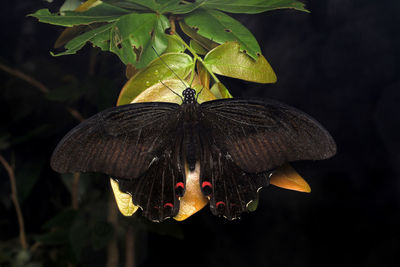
column 172, row 90
column 169, row 67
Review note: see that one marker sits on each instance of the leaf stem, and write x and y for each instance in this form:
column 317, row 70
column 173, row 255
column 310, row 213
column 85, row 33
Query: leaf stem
column 14, row 197
column 197, row 57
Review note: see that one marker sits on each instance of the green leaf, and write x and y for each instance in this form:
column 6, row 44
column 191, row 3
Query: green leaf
column 221, row 28
column 174, row 45
column 161, row 7
column 127, row 4
column 220, row 91
column 70, row 5
column 100, row 13
column 182, row 7
column 158, row 70
column 203, row 41
column 99, row 37
column 70, row 33
column 254, row 6
column 199, row 49
column 133, row 37
column 227, row 60
column 151, row 4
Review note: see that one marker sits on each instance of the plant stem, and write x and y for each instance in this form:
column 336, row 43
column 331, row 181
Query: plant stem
column 25, row 77
column 172, row 23
column 197, row 57
column 14, row 197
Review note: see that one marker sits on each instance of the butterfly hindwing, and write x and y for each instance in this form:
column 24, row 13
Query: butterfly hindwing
column 156, row 191
column 229, row 188
column 262, row 135
column 120, row 141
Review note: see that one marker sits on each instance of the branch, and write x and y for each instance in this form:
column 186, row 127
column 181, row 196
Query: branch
column 26, row 78
column 172, row 23
column 35, row 83
column 14, row 197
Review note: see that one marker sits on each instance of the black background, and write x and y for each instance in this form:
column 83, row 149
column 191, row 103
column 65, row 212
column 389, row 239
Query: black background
column 340, row 64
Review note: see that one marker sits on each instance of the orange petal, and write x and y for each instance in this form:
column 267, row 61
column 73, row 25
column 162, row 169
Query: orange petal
column 287, row 177
column 124, row 201
column 193, row 200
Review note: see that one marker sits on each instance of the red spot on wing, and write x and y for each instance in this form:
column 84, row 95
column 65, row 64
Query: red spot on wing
column 179, row 189
column 206, row 183
column 180, row 185
column 169, row 205
column 220, row 204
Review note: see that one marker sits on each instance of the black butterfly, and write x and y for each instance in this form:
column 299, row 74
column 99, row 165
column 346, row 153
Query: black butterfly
column 238, row 142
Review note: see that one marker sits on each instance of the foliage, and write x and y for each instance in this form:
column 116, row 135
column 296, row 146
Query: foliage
column 136, row 31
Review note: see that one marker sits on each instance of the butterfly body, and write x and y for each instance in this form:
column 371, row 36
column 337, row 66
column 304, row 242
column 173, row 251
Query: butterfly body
column 238, row 142
column 191, row 138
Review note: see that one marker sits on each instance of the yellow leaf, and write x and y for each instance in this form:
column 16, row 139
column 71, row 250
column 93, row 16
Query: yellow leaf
column 227, row 60
column 179, row 65
column 193, row 200
column 124, row 201
column 287, row 177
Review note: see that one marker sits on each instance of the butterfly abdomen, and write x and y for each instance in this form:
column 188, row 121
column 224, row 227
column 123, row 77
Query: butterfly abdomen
column 191, row 135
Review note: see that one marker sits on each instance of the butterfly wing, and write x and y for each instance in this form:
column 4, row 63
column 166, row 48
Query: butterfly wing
column 157, row 190
column 243, row 140
column 120, row 142
column 229, row 188
column 139, row 145
column 262, row 135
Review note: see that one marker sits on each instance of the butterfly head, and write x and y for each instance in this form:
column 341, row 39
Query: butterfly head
column 189, row 96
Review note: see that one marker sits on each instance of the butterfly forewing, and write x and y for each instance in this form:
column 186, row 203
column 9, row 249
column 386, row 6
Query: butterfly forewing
column 121, row 141
column 262, row 135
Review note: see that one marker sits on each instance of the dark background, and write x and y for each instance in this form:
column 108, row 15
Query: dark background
column 340, row 64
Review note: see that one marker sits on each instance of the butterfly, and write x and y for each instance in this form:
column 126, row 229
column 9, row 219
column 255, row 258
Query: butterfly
column 238, row 143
